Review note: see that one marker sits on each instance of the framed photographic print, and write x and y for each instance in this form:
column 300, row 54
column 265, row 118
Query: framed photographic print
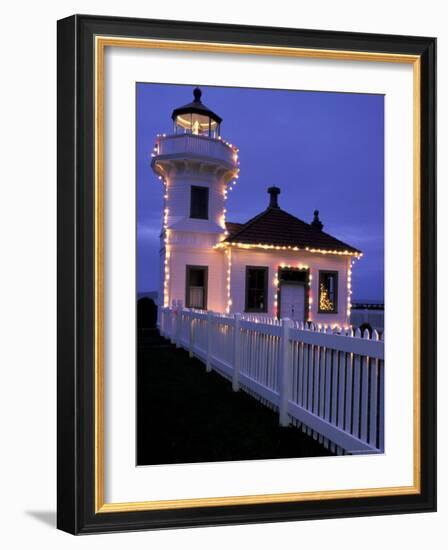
column 246, row 274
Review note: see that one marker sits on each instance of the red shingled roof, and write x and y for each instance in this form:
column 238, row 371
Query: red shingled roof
column 276, row 227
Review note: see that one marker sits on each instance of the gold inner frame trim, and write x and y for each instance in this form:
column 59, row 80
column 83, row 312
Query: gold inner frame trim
column 101, row 42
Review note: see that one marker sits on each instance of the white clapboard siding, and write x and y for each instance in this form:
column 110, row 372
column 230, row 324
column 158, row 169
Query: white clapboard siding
column 328, row 383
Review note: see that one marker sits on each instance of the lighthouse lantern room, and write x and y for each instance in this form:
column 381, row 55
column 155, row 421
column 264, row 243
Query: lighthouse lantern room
column 195, row 118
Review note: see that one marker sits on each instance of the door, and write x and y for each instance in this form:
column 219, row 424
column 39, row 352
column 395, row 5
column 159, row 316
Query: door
column 292, row 301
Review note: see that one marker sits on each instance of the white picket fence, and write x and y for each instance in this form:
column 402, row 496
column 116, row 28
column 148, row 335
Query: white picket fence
column 328, row 383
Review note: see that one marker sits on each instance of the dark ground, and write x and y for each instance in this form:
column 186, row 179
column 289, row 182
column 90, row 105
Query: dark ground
column 188, row 415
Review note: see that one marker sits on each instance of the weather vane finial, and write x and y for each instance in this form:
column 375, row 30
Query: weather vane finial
column 197, row 94
column 316, row 221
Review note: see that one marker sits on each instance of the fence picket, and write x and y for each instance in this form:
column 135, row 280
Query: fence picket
column 348, row 392
column 365, row 383
column 236, row 353
column 322, row 375
column 373, row 401
column 285, row 373
column 317, row 353
column 300, row 350
column 334, row 389
column 305, row 376
column 310, row 377
column 342, row 390
column 357, row 375
column 328, row 383
column 380, row 438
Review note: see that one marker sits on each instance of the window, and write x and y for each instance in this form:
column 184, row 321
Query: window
column 328, row 292
column 257, row 289
column 194, row 123
column 196, row 291
column 199, row 202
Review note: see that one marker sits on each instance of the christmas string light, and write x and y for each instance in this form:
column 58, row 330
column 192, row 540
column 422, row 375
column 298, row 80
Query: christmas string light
column 157, row 150
column 166, row 231
column 310, row 298
column 325, row 304
column 277, row 288
column 301, row 267
column 247, row 246
column 223, row 219
column 349, row 289
column 229, row 273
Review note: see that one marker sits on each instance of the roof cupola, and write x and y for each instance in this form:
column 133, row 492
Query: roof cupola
column 274, row 192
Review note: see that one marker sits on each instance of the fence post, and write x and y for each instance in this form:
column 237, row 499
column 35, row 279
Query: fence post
column 236, row 353
column 169, row 324
column 191, row 333
column 208, row 365
column 284, row 373
column 178, row 326
column 173, row 323
column 160, row 320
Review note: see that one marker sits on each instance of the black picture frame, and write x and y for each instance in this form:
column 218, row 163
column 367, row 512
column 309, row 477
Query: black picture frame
column 76, row 480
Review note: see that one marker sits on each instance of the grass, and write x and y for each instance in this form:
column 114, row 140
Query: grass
column 186, row 415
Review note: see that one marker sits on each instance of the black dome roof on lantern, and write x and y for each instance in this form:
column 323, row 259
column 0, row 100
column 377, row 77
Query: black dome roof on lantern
column 196, row 107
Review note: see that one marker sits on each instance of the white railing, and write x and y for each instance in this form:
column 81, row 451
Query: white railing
column 328, row 383
column 192, row 144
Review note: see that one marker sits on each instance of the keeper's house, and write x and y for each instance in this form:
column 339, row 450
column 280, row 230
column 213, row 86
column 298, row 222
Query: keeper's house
column 274, row 264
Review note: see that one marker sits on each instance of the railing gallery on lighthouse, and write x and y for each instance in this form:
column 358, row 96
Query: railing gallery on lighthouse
column 195, row 145
column 329, row 383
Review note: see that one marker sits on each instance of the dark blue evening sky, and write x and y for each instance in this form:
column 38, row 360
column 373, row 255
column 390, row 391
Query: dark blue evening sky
column 324, row 150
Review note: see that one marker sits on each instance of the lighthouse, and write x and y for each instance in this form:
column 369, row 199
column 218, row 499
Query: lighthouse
column 273, row 264
column 196, row 167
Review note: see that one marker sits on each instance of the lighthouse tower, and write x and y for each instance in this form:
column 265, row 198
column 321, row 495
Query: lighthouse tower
column 196, row 167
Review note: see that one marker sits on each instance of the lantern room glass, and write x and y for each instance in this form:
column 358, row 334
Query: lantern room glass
column 199, row 125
